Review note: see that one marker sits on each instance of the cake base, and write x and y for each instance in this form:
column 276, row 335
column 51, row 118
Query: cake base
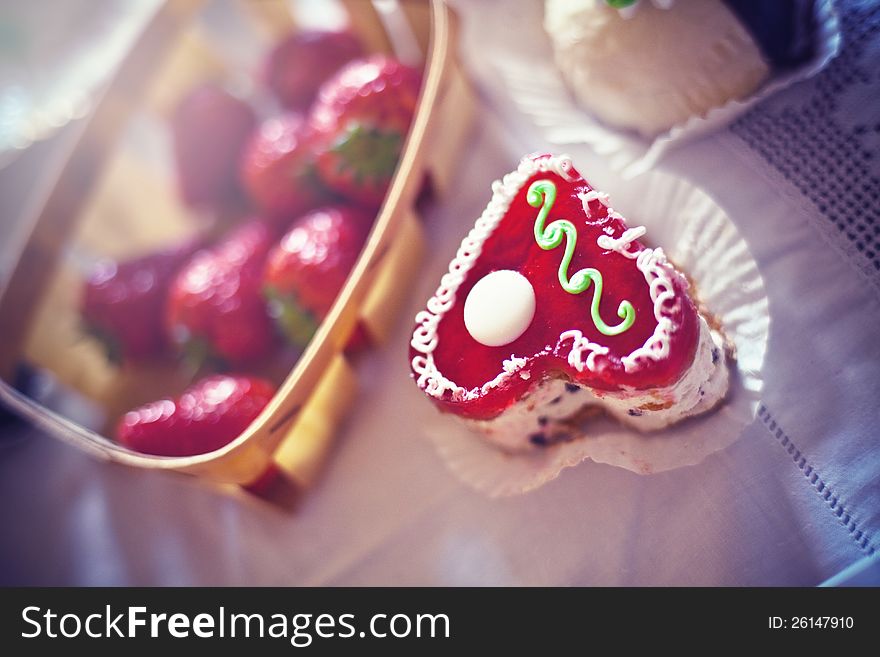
column 558, row 410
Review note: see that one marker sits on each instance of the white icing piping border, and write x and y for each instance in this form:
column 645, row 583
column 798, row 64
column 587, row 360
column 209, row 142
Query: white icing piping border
column 651, row 262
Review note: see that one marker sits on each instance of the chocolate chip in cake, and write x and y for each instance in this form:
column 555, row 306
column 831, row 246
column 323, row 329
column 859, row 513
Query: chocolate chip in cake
column 542, row 421
column 716, row 355
column 538, row 439
column 556, row 400
column 634, row 412
column 572, row 388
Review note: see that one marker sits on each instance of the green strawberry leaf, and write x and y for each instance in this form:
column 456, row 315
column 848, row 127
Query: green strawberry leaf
column 109, row 342
column 367, row 152
column 296, row 323
column 197, row 356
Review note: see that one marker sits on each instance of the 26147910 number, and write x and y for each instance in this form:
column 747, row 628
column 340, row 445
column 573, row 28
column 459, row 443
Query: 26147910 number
column 810, row 623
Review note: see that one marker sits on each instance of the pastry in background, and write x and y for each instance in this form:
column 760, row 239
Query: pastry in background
column 647, row 67
column 553, row 311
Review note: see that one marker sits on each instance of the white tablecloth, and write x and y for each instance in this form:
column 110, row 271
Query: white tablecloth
column 795, row 501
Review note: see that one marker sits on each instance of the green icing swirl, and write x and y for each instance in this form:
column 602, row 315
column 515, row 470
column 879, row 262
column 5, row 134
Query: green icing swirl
column 620, row 4
column 543, row 193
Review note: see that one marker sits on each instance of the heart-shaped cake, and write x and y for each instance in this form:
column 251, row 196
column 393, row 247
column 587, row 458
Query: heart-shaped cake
column 552, row 309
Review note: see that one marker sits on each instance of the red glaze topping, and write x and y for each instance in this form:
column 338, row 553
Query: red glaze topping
column 512, row 245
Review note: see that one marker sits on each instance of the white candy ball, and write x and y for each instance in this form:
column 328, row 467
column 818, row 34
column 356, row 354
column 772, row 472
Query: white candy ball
column 499, row 308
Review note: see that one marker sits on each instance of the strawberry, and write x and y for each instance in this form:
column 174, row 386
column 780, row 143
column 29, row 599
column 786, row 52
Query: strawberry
column 298, row 65
column 207, row 416
column 210, row 128
column 360, row 120
column 122, row 302
column 307, row 269
column 278, row 169
column 215, row 306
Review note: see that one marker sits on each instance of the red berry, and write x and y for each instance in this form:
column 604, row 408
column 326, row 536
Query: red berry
column 210, row 128
column 122, row 302
column 207, row 416
column 216, row 302
column 298, row 65
column 278, row 169
column 307, row 269
column 361, row 120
